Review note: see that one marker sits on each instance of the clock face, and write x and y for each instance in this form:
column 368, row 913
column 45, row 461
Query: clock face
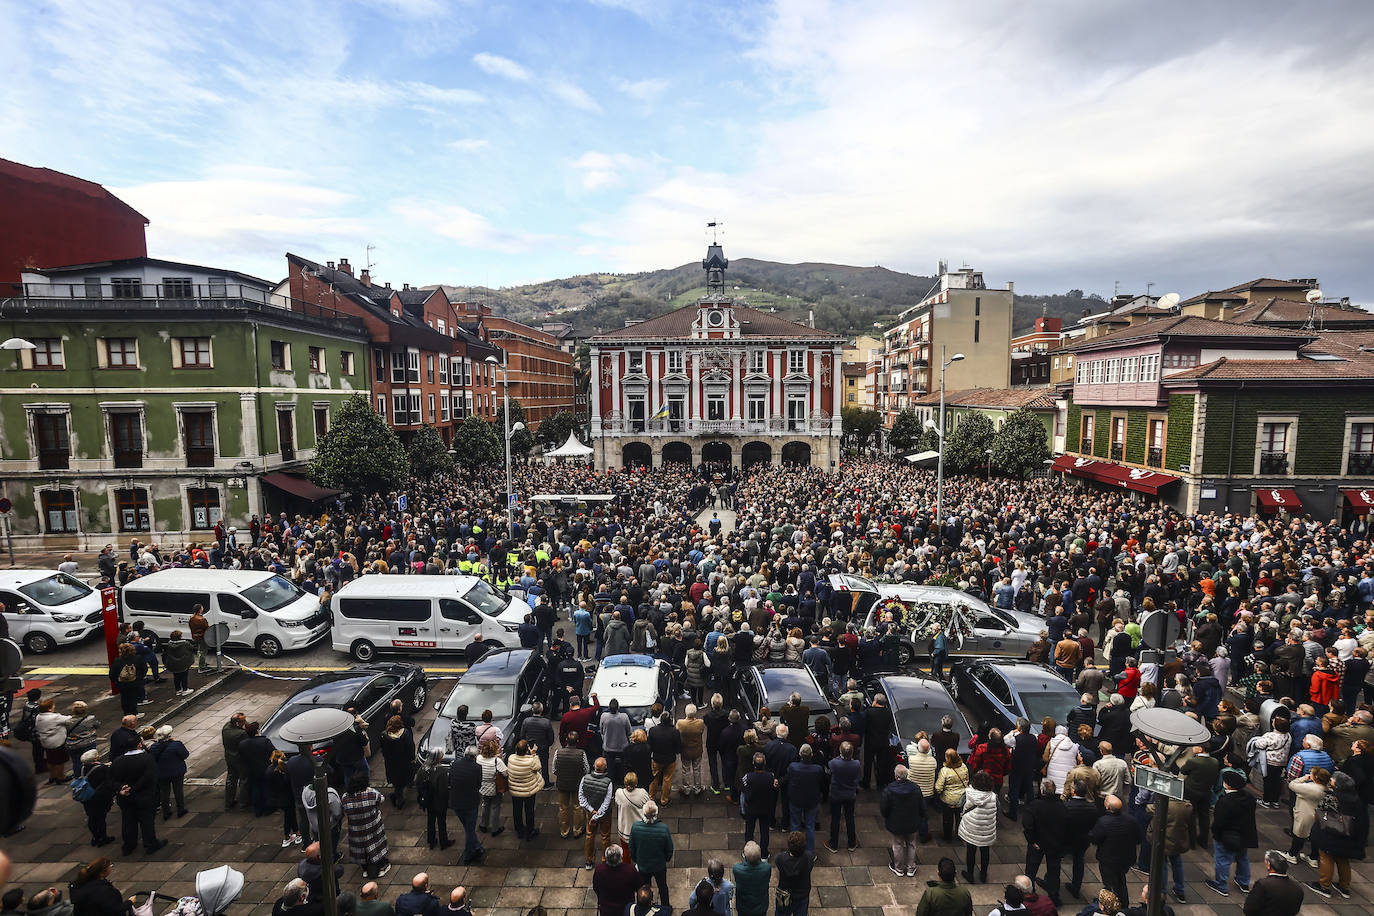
column 715, row 318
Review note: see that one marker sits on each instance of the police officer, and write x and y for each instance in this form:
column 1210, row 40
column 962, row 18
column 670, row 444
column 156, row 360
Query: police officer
column 567, row 680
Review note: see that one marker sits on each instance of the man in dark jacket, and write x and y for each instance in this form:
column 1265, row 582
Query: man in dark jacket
column 1207, row 690
column 1081, row 813
column 464, row 797
column 760, row 800
column 125, row 738
column 717, row 720
column 780, row 754
column 1233, row 834
column 538, row 731
column 235, row 785
column 1114, row 723
column 1085, row 713
column 1044, row 824
column 1116, row 835
column 730, row 740
column 665, row 743
column 804, row 778
column 615, row 882
column 904, row 810
column 135, row 776
column 349, row 751
column 877, row 742
column 844, row 789
column 300, row 770
column 255, row 751
column 418, row 901
column 1275, row 894
column 475, row 650
column 1025, row 764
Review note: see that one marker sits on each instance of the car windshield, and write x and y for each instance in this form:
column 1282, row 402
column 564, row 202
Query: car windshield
column 272, row 594
column 499, row 698
column 55, row 590
column 1053, row 703
column 913, row 719
column 485, row 600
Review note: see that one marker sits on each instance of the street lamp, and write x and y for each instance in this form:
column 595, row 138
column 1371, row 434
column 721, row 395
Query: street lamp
column 1168, row 733
column 940, row 434
column 312, row 727
column 509, row 431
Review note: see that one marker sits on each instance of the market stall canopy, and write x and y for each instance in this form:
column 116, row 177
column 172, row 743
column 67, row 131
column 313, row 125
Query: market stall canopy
column 1361, row 501
column 570, row 449
column 922, row 456
column 299, row 486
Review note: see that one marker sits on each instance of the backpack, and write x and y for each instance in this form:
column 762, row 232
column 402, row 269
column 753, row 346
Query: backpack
column 82, row 790
column 26, row 730
column 128, row 674
column 422, row 789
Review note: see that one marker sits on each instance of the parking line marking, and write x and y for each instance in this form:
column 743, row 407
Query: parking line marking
column 102, row 669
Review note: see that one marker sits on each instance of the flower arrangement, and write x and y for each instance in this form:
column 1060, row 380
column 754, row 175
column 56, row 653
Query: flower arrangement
column 952, row 618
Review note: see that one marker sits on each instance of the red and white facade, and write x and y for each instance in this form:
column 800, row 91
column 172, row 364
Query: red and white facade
column 716, row 382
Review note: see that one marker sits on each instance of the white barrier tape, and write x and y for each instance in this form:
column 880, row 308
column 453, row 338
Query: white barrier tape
column 279, row 677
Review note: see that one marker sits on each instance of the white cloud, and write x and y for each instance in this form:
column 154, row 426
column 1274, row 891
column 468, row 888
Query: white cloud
column 469, row 145
column 468, row 227
column 574, row 95
column 900, row 133
column 605, row 170
column 500, row 66
column 645, row 90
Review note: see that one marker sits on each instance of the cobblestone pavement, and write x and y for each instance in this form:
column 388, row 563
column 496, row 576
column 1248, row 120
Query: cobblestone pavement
column 518, row 875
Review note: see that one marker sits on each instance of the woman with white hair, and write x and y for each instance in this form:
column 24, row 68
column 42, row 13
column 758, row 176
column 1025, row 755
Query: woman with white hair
column 170, row 756
column 1061, row 756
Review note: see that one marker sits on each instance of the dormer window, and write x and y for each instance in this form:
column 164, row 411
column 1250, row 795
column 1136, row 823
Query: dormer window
column 796, row 362
column 756, row 362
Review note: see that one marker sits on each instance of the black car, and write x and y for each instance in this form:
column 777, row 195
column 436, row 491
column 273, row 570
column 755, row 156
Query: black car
column 773, row 685
column 1000, row 691
column 918, row 704
column 368, row 689
column 506, row 681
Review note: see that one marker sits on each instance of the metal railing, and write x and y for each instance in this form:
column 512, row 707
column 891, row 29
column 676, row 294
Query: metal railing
column 1085, row 446
column 818, row 424
column 1117, row 451
column 1361, row 463
column 1154, row 457
column 1273, row 463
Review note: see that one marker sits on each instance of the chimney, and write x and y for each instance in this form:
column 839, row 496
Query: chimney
column 404, row 286
column 1011, row 287
column 365, row 278
column 329, row 264
column 345, row 266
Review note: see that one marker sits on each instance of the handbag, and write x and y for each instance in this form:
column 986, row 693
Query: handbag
column 1331, row 821
column 502, row 783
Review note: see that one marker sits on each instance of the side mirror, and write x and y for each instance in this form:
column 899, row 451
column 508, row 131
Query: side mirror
column 249, row 614
column 527, row 709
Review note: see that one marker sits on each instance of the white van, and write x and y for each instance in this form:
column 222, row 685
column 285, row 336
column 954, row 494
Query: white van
column 262, row 609
column 46, row 609
column 430, row 614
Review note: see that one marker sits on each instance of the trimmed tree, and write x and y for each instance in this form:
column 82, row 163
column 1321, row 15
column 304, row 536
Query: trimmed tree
column 359, row 453
column 858, row 424
column 1021, row 445
column 928, row 441
column 428, row 454
column 906, row 429
column 476, row 443
column 522, row 440
column 966, row 449
column 553, row 432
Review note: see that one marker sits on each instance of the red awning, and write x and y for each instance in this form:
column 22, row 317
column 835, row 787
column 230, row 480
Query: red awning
column 299, row 486
column 1360, row 500
column 1273, row 499
column 1113, row 474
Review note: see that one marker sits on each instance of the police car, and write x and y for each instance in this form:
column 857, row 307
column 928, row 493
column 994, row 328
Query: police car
column 637, row 681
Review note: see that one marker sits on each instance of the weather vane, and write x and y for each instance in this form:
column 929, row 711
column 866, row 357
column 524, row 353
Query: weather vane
column 715, row 227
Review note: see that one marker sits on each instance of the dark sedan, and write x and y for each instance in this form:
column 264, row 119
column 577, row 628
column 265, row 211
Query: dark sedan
column 1001, row 691
column 368, row 689
column 506, row 681
column 773, row 686
column 918, row 705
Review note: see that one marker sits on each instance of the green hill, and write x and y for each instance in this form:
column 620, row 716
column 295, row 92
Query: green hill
column 847, row 300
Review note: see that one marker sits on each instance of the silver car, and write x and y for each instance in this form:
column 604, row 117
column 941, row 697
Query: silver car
column 993, row 631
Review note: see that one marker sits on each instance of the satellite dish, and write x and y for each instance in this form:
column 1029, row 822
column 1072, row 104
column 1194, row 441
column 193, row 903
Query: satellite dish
column 1168, row 300
column 1314, row 296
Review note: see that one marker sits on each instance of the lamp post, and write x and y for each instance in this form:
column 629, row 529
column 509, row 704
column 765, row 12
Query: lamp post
column 940, row 434
column 1168, row 733
column 312, row 727
column 509, row 431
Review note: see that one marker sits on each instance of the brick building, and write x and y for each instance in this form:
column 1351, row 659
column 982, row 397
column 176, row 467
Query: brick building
column 541, row 371
column 52, row 220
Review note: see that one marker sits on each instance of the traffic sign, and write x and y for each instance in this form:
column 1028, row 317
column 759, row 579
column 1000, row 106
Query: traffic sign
column 512, row 500
column 401, row 502
column 1159, row 782
column 217, row 635
column 5, row 505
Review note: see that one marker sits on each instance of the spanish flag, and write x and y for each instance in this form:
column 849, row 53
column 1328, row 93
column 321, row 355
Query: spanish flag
column 661, row 413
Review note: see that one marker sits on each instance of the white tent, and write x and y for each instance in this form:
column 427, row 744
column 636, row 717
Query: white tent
column 570, row 449
column 922, row 456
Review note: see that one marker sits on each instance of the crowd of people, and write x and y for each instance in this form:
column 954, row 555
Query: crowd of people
column 1277, row 629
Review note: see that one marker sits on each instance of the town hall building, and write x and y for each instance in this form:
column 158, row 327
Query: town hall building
column 716, row 382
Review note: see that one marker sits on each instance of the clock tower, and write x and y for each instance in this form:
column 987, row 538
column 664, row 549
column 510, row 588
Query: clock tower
column 715, row 318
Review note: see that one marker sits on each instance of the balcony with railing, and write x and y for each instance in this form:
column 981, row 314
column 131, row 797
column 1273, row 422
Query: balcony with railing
column 1117, row 451
column 43, row 299
column 1273, row 463
column 1360, row 464
column 1154, row 457
column 816, row 424
column 1085, row 446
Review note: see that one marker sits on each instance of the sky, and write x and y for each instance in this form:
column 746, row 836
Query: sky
column 1060, row 144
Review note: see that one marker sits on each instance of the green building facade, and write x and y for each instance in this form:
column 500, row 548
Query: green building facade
column 155, row 406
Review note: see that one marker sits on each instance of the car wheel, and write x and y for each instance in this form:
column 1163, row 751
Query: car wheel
column 906, row 654
column 417, row 698
column 39, row 643
column 363, row 651
column 268, row 646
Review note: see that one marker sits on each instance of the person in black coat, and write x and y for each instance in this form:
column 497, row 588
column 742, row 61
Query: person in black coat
column 131, row 692
column 278, row 778
column 135, row 776
column 465, row 797
column 301, row 770
column 904, row 815
column 125, row 738
column 760, row 788
column 98, row 805
column 1116, row 836
column 780, row 754
column 1045, row 825
column 1337, row 849
column 1233, row 833
column 877, row 743
column 431, row 787
column 398, row 756
column 1276, row 894
column 92, row 894
column 1114, row 723
column 255, row 752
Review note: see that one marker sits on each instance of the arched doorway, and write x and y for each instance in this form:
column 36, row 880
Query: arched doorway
column 796, row 453
column 677, row 453
column 755, row 453
column 717, row 453
column 637, row 455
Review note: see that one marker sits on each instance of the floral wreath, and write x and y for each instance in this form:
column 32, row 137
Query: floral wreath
column 952, row 618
